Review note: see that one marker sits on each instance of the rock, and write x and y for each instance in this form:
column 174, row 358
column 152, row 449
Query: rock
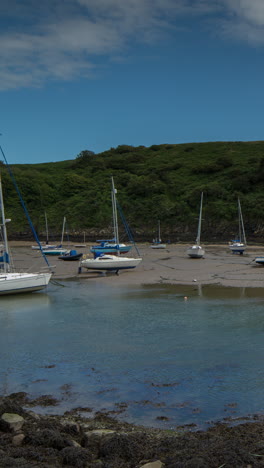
column 13, row 421
column 92, row 439
column 155, row 464
column 34, row 415
column 71, row 427
column 78, row 457
column 73, row 443
column 98, row 464
column 48, row 438
column 123, row 447
column 18, row 439
column 100, row 432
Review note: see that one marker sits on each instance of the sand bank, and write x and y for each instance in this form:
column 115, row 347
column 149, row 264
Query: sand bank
column 165, row 266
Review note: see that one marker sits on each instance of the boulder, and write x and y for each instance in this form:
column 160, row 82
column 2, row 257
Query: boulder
column 155, row 464
column 12, row 421
column 18, row 439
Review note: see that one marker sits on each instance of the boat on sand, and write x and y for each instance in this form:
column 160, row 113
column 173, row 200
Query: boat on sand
column 196, row 251
column 11, row 280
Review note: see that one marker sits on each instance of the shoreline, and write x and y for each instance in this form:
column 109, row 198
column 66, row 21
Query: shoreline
column 71, row 440
column 103, row 440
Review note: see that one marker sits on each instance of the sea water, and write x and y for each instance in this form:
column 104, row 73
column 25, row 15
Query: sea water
column 159, row 356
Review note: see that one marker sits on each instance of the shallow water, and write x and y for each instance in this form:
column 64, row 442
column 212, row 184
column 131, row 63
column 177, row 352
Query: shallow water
column 170, row 355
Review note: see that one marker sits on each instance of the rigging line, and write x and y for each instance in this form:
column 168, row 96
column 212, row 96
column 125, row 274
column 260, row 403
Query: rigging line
column 24, row 206
column 127, row 228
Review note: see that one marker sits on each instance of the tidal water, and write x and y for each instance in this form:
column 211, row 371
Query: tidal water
column 164, row 356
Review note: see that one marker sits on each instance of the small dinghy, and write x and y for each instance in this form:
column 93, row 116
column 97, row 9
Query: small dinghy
column 71, row 256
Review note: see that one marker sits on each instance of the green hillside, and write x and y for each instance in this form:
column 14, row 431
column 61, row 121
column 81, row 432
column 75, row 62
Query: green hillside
column 160, row 182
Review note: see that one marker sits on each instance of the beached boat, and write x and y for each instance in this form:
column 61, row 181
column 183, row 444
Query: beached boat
column 45, row 245
column 196, row 251
column 109, row 262
column 112, row 246
column 71, row 255
column 105, row 261
column 259, row 260
column 157, row 244
column 12, row 281
column 57, row 250
column 81, row 245
column 239, row 245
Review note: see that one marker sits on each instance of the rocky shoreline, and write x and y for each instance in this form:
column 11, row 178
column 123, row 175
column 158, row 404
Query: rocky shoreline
column 28, row 439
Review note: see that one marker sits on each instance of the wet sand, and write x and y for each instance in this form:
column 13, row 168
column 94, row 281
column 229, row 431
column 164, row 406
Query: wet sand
column 159, row 266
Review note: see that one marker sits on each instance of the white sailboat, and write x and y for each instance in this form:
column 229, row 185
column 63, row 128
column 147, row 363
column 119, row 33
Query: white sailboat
column 108, row 262
column 59, row 249
column 81, row 245
column 196, row 251
column 239, row 245
column 12, row 282
column 157, row 244
column 45, row 245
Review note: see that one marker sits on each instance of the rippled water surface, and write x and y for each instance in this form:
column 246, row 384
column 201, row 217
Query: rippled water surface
column 168, row 355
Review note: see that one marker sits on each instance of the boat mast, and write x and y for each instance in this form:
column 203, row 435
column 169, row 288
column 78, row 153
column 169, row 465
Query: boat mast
column 159, row 239
column 3, row 225
column 47, row 232
column 200, row 221
column 63, row 227
column 24, row 207
column 242, row 235
column 115, row 221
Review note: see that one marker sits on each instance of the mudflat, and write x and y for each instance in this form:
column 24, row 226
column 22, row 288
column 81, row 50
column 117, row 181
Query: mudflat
column 167, row 266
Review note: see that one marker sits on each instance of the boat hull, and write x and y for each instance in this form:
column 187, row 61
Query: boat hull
column 70, row 258
column 55, row 252
column 97, row 249
column 44, row 247
column 237, row 247
column 15, row 283
column 196, row 251
column 259, row 260
column 110, row 263
column 158, row 246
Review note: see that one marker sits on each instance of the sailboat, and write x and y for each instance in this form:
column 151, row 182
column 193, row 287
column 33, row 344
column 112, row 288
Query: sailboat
column 45, row 245
column 13, row 282
column 81, row 245
column 196, row 251
column 59, row 249
column 239, row 245
column 157, row 244
column 106, row 261
column 111, row 246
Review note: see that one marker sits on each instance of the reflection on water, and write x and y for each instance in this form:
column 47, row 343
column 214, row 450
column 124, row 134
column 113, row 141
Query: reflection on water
column 210, row 291
column 24, row 301
column 166, row 355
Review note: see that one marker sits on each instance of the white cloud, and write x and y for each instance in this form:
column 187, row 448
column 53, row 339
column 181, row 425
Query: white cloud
column 48, row 40
column 245, row 21
column 251, row 11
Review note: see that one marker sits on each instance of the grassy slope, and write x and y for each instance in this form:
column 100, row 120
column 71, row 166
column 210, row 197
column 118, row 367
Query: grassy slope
column 161, row 182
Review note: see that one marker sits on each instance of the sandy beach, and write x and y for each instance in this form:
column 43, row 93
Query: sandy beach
column 159, row 266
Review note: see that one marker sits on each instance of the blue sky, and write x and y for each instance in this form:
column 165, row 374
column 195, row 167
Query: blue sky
column 94, row 74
